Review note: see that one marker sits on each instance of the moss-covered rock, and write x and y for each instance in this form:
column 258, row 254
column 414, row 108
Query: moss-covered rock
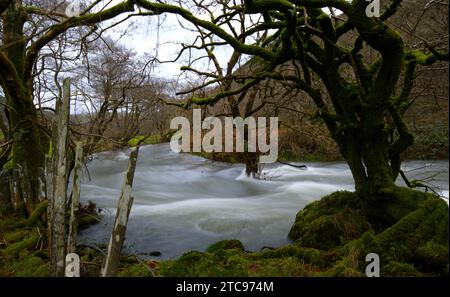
column 88, row 220
column 307, row 255
column 354, row 252
column 330, row 222
column 390, row 205
column 88, row 215
column 233, row 262
column 433, row 256
column 225, row 245
column 420, row 237
column 411, row 229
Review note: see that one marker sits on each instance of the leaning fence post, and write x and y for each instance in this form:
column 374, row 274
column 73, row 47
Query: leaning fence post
column 58, row 224
column 74, row 209
column 48, row 176
column 120, row 223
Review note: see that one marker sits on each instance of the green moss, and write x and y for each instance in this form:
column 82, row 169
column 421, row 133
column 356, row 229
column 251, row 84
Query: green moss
column 9, row 164
column 152, row 139
column 87, row 219
column 13, row 250
column 30, row 266
column 225, row 245
column 307, row 255
column 355, row 251
column 412, row 228
column 330, row 222
column 37, row 213
column 281, row 267
column 187, row 264
column 236, row 263
column 392, row 204
column 136, row 270
column 11, row 222
column 342, row 268
column 394, row 268
column 16, row 235
column 87, row 253
column 221, row 263
column 429, row 222
column 433, row 256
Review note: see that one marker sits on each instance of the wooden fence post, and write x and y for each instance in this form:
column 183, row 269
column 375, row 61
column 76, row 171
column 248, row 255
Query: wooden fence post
column 48, row 176
column 58, row 224
column 75, row 207
column 120, row 223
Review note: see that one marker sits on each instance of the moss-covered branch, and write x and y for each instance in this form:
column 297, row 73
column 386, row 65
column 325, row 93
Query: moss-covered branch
column 426, row 59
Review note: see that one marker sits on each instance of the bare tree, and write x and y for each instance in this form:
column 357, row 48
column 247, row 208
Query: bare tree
column 22, row 39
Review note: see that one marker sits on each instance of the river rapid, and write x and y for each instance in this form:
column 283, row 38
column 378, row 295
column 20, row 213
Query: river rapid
column 183, row 202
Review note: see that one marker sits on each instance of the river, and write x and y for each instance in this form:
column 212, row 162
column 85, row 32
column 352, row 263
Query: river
column 183, row 202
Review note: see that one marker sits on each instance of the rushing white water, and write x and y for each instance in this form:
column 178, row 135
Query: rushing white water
column 183, row 202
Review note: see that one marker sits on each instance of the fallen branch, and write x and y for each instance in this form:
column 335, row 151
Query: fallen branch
column 293, row 165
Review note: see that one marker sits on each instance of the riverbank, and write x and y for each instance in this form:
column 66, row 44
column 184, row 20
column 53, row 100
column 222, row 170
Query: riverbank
column 332, row 238
column 241, row 208
column 430, row 144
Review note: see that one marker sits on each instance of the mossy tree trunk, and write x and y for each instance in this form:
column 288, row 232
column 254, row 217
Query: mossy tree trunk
column 251, row 159
column 18, row 62
column 29, row 142
column 366, row 150
column 251, row 164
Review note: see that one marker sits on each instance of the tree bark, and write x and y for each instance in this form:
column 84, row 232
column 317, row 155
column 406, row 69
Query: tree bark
column 251, row 164
column 365, row 148
column 29, row 142
column 74, row 209
column 58, row 224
